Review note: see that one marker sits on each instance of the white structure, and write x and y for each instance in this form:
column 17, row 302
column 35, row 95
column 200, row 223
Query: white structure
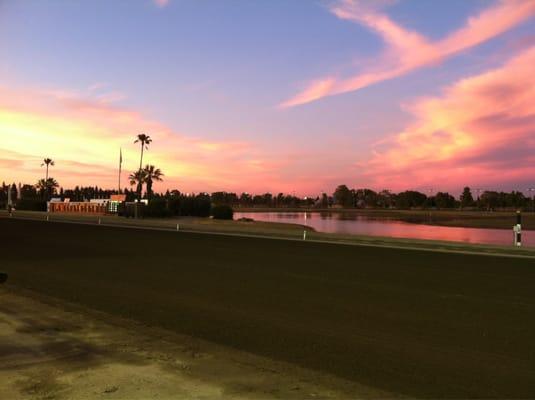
column 102, row 202
column 517, row 230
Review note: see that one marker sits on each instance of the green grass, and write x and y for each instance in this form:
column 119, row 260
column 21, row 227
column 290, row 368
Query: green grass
column 413, row 322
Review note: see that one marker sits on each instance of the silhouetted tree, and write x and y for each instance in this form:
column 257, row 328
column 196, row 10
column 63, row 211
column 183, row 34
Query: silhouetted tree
column 444, row 200
column 138, row 178
column 489, row 200
column 144, row 141
column 14, row 193
column 324, row 201
column 245, row 199
column 366, row 198
column 385, row 199
column 343, row 196
column 151, row 174
column 47, row 187
column 466, row 198
column 48, row 162
column 410, row 198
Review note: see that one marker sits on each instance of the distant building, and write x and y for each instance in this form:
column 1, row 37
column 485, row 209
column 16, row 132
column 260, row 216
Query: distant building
column 94, row 206
column 115, row 200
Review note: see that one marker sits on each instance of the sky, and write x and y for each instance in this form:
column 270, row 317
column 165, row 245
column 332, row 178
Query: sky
column 271, row 96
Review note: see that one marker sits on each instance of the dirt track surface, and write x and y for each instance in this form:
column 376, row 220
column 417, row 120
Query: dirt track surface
column 47, row 352
column 424, row 324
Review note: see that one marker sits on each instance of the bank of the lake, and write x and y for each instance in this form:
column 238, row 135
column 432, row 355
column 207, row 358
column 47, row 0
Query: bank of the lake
column 457, row 218
column 355, row 224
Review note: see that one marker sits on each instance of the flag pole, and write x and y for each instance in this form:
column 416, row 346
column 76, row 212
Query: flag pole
column 120, row 166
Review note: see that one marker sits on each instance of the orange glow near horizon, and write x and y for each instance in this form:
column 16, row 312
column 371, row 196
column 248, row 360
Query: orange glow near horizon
column 84, row 139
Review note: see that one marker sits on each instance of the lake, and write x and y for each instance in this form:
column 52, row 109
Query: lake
column 359, row 225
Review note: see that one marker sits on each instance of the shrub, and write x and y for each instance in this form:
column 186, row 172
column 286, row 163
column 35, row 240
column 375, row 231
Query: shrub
column 128, row 210
column 157, row 208
column 222, row 211
column 201, row 206
column 31, row 205
column 198, row 206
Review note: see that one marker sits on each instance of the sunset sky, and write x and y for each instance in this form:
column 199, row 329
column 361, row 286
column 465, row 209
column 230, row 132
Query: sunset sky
column 278, row 95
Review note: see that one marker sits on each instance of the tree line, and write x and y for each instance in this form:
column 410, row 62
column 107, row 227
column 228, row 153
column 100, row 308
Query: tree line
column 343, row 197
column 487, row 200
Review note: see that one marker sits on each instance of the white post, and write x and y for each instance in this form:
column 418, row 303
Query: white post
column 47, row 217
column 517, row 229
column 305, row 231
column 99, row 220
column 177, row 227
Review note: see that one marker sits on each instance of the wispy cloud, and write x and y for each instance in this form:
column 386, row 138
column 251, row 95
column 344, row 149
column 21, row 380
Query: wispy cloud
column 408, row 50
column 481, row 131
column 97, row 86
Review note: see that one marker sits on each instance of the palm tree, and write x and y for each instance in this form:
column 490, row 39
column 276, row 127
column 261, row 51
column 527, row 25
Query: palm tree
column 151, row 174
column 47, row 186
column 144, row 140
column 48, row 162
column 138, row 178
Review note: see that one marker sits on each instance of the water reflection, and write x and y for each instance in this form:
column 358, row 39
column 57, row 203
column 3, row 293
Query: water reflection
column 349, row 223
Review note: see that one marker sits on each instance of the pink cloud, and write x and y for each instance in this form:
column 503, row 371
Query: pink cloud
column 481, row 131
column 408, row 50
column 316, row 90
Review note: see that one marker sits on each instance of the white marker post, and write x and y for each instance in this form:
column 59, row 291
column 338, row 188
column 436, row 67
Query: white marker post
column 517, row 230
column 305, row 230
column 99, row 221
column 177, row 227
